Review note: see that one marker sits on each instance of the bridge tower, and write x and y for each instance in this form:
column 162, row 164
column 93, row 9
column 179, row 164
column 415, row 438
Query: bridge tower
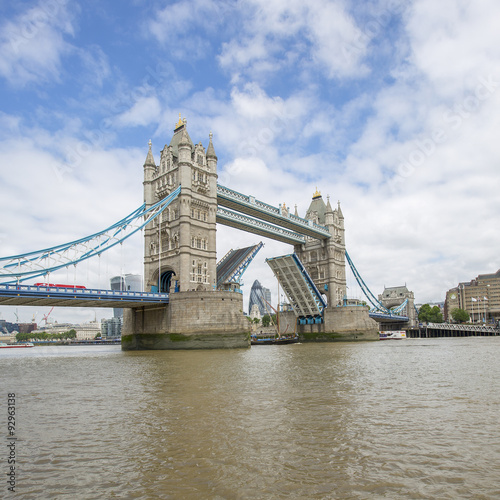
column 324, row 260
column 395, row 296
column 180, row 257
column 180, row 249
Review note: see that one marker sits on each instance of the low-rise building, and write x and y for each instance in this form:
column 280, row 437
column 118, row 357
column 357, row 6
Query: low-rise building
column 85, row 331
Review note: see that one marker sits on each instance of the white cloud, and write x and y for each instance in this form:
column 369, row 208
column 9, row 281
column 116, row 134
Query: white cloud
column 145, row 111
column 181, row 27
column 96, row 65
column 297, row 36
column 33, row 44
column 453, row 43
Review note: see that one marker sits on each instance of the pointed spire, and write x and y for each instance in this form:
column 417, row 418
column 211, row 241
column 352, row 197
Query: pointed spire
column 296, row 213
column 185, row 140
column 341, row 215
column 210, row 149
column 329, row 215
column 328, row 206
column 149, row 158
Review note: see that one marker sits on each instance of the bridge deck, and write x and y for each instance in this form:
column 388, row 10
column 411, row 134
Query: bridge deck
column 305, row 298
column 26, row 295
column 233, row 264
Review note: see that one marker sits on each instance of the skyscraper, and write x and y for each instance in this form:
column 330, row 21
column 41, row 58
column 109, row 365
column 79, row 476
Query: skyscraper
column 260, row 296
column 126, row 283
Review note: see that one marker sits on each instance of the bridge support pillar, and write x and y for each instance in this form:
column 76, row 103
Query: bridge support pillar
column 191, row 320
column 340, row 323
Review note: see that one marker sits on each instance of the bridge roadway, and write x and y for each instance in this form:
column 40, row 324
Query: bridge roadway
column 27, row 295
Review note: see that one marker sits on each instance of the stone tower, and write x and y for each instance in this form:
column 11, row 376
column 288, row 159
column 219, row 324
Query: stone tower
column 325, row 259
column 180, row 247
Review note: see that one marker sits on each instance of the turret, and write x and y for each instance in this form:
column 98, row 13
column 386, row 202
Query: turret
column 340, row 215
column 184, row 146
column 211, row 156
column 329, row 218
column 149, row 174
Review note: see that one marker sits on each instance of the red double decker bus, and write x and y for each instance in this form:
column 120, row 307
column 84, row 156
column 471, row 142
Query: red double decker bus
column 59, row 285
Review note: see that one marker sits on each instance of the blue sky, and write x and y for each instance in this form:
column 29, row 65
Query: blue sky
column 393, row 108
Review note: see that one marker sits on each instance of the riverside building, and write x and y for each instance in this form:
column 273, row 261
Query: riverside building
column 480, row 298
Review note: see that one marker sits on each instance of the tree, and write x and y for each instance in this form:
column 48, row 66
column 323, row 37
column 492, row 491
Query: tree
column 266, row 320
column 460, row 315
column 428, row 314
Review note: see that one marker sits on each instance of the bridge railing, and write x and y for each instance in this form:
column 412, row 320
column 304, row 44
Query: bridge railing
column 462, row 327
column 81, row 292
column 265, row 227
column 276, row 212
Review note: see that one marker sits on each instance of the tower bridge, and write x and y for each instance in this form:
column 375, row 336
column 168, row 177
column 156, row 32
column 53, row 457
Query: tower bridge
column 184, row 304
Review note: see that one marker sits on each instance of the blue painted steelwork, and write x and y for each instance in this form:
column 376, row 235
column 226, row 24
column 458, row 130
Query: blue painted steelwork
column 76, row 297
column 230, row 270
column 398, row 309
column 310, row 282
column 252, row 207
column 378, row 312
column 388, row 317
column 366, row 291
column 18, row 268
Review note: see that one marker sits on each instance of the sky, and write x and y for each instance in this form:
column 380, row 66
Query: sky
column 391, row 108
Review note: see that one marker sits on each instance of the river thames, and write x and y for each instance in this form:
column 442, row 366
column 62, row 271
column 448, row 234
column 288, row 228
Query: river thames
column 415, row 418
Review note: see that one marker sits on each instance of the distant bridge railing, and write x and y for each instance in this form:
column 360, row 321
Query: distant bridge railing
column 465, row 327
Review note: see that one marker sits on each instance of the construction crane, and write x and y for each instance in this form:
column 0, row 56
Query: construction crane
column 46, row 317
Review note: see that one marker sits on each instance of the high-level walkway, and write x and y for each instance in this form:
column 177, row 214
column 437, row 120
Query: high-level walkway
column 249, row 214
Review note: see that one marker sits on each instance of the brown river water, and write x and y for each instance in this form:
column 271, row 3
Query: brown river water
column 415, row 418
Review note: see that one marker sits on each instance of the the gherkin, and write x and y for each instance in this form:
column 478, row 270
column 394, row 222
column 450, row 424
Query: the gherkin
column 261, row 296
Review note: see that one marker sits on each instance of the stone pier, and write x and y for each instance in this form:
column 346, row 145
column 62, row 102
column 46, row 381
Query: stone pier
column 340, row 323
column 191, row 320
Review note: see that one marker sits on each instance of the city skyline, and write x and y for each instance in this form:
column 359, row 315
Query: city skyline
column 392, row 110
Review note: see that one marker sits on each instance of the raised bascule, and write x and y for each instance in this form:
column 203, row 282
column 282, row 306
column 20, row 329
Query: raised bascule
column 189, row 300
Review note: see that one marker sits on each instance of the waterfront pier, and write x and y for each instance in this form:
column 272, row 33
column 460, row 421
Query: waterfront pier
column 433, row 330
